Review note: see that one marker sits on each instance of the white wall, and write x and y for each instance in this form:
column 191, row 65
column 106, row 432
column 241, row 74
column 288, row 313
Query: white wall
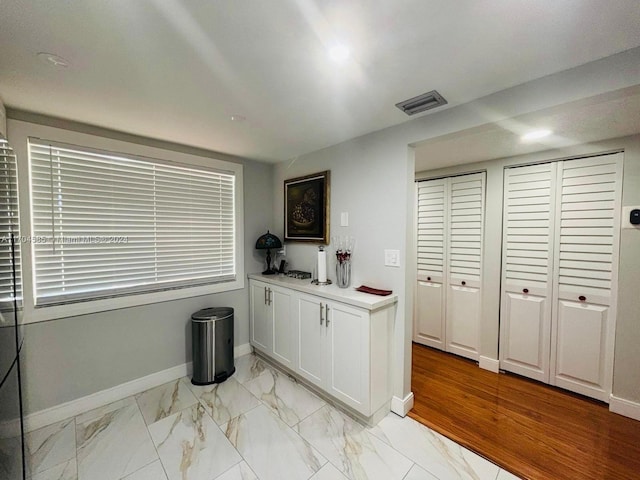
column 370, row 180
column 72, row 357
column 373, row 190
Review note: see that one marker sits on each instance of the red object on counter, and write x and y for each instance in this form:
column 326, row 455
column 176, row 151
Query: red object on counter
column 374, row 291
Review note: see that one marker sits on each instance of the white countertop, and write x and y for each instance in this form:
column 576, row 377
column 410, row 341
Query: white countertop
column 332, row 292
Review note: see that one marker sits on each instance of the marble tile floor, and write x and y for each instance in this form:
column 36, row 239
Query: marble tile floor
column 258, row 425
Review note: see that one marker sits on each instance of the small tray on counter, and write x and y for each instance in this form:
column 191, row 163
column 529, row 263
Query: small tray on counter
column 374, row 291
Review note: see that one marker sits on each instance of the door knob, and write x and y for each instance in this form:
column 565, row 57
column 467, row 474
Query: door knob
column 582, row 298
column 464, row 283
column 525, row 290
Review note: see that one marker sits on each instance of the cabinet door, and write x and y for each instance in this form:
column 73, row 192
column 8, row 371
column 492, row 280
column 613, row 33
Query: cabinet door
column 464, row 264
column 310, row 316
column 261, row 317
column 284, row 338
column 348, row 355
column 431, row 224
column 587, row 252
column 527, row 270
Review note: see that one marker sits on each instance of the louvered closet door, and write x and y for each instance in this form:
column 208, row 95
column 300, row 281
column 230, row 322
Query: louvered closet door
column 431, row 224
column 527, row 270
column 587, row 254
column 464, row 264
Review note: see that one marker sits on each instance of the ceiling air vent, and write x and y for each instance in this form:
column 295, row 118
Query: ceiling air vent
column 423, row 102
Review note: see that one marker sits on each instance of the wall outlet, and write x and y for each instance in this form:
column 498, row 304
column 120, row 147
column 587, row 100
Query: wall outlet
column 392, row 258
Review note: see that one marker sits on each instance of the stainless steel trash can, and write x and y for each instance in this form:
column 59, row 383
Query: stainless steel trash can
column 212, row 345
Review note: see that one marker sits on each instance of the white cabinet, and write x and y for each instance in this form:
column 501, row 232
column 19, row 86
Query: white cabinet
column 334, row 346
column 342, row 349
column 271, row 323
column 311, row 335
column 559, row 281
column 450, row 220
column 261, row 321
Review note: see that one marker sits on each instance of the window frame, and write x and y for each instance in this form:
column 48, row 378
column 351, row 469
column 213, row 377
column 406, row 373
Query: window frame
column 21, row 131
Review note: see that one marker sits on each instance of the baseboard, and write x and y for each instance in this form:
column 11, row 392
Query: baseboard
column 242, row 350
column 401, row 406
column 624, row 407
column 83, row 404
column 490, row 364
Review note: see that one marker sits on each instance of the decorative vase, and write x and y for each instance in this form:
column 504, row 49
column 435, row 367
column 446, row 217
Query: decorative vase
column 343, row 273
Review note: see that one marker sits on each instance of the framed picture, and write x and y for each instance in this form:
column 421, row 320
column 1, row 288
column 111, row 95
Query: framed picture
column 306, row 208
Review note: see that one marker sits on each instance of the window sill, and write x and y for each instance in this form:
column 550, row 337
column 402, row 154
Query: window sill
column 42, row 314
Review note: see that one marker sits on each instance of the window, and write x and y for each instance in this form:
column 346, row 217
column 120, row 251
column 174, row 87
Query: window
column 8, row 226
column 106, row 224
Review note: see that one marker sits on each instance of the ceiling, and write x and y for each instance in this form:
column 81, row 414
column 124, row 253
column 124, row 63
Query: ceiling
column 178, row 70
column 610, row 115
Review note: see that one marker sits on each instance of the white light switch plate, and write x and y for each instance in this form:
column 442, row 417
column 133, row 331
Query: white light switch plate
column 624, row 221
column 344, row 219
column 392, row 258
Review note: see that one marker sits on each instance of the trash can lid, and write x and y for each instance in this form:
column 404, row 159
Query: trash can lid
column 213, row 313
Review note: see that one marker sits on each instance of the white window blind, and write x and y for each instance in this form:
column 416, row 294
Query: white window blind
column 8, row 226
column 108, row 224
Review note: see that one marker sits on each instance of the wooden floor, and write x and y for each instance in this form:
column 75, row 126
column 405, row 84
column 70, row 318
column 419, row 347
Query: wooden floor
column 533, row 430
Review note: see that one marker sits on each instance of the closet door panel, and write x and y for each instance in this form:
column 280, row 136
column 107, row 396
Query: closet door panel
column 587, row 253
column 527, row 270
column 429, row 322
column 527, row 335
column 466, row 206
column 466, row 221
column 431, row 226
column 582, row 331
column 463, row 321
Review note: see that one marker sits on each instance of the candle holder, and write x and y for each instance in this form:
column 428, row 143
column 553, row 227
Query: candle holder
column 344, row 249
column 343, row 274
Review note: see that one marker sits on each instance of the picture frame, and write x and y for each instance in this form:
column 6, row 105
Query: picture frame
column 306, row 208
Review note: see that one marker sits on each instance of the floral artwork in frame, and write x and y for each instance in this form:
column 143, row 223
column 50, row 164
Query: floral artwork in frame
column 306, row 208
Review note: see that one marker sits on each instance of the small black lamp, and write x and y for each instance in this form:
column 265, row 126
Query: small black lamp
column 267, row 242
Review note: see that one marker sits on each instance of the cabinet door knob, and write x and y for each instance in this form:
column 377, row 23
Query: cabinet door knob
column 582, row 298
column 525, row 290
column 428, row 279
column 270, row 297
column 463, row 282
column 326, row 315
column 265, row 295
column 321, row 307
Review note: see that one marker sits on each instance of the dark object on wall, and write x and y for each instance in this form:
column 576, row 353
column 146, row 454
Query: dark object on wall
column 267, row 242
column 634, row 217
column 306, row 208
column 212, row 345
